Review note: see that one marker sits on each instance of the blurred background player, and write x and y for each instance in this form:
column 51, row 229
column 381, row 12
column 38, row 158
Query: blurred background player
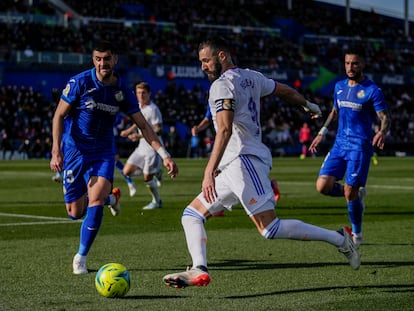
column 144, row 160
column 305, row 138
column 358, row 102
column 83, row 142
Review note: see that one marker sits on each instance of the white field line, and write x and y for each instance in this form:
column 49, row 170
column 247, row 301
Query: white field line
column 59, row 220
column 390, row 187
column 51, row 220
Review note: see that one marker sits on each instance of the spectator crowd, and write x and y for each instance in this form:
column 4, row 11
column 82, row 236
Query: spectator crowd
column 168, row 34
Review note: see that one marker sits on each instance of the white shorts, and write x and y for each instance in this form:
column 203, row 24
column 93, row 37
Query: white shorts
column 245, row 180
column 148, row 162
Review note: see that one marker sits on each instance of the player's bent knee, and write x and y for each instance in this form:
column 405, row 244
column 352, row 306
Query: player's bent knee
column 190, row 214
column 323, row 187
column 74, row 217
column 271, row 229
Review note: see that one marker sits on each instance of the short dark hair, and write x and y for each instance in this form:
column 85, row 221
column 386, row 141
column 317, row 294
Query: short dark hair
column 103, row 46
column 356, row 50
column 216, row 44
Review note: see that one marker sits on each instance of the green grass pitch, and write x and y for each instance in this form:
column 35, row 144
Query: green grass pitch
column 38, row 241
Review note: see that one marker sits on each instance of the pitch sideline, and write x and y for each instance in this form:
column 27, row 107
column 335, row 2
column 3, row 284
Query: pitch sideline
column 52, row 220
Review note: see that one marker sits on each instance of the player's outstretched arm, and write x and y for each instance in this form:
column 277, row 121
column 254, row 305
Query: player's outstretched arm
column 152, row 138
column 293, row 97
column 56, row 161
column 322, row 132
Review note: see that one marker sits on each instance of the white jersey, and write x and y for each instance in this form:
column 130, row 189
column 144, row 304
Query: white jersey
column 153, row 116
column 245, row 87
column 144, row 156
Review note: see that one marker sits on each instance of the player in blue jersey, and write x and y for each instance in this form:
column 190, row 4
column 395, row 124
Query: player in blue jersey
column 83, row 141
column 358, row 102
column 58, row 176
column 238, row 168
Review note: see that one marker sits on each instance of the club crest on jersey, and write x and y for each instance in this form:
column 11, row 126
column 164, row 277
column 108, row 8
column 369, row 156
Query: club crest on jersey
column 361, row 94
column 119, row 96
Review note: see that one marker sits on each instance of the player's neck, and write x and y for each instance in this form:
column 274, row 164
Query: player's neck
column 112, row 79
column 356, row 81
column 144, row 104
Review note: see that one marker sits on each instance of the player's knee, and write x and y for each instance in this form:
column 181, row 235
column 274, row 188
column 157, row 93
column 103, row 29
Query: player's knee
column 271, row 229
column 323, row 187
column 74, row 213
column 190, row 214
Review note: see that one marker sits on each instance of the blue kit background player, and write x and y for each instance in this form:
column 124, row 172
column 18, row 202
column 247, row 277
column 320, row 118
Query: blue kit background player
column 358, row 102
column 83, row 142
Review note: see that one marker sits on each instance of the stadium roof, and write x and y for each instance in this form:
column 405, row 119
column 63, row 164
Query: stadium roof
column 393, row 8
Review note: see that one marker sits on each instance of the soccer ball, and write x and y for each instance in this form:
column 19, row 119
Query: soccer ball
column 112, row 280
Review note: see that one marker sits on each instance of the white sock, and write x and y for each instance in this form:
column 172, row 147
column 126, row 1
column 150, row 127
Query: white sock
column 112, row 199
column 196, row 236
column 153, row 189
column 298, row 230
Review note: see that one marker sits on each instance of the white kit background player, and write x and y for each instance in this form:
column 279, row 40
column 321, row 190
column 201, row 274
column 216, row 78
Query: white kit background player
column 144, row 160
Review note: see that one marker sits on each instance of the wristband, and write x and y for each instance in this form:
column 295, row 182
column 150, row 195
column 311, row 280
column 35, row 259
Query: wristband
column 309, row 106
column 323, row 131
column 163, row 153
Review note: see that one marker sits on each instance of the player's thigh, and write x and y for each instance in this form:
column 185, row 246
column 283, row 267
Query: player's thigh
column 100, row 179
column 135, row 161
column 357, row 168
column 74, row 183
column 248, row 178
column 225, row 199
column 334, row 164
column 98, row 189
column 152, row 163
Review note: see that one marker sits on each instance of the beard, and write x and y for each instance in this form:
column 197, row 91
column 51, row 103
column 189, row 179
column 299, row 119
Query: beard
column 215, row 74
column 105, row 71
column 356, row 77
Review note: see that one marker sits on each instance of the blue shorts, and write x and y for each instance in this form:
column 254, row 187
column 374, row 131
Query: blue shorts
column 354, row 165
column 78, row 169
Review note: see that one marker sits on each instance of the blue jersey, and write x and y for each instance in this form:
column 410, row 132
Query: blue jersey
column 94, row 106
column 357, row 106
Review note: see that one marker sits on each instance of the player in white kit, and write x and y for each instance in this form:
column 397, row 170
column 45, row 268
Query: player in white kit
column 144, row 160
column 239, row 165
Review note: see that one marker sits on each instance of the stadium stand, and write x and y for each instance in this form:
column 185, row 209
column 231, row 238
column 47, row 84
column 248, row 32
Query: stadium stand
column 266, row 35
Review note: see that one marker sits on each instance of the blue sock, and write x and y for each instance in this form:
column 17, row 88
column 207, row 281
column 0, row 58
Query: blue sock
column 355, row 215
column 89, row 229
column 120, row 166
column 337, row 190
